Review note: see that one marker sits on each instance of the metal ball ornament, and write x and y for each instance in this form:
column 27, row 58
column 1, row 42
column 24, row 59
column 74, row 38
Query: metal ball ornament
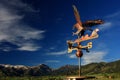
column 79, row 53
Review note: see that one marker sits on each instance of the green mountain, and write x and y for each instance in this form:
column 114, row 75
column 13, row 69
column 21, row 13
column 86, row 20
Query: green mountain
column 42, row 70
column 92, row 68
column 95, row 68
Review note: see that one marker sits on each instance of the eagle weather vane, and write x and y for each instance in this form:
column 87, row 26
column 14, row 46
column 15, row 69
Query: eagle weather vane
column 82, row 29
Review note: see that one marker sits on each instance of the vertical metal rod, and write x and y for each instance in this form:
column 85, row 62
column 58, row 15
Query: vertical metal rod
column 79, row 63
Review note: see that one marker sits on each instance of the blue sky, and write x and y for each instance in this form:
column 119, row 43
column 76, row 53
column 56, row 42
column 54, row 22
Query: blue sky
column 33, row 32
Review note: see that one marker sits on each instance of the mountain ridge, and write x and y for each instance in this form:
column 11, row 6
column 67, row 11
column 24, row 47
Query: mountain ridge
column 43, row 70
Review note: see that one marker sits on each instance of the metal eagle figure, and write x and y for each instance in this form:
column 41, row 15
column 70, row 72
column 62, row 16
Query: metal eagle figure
column 81, row 27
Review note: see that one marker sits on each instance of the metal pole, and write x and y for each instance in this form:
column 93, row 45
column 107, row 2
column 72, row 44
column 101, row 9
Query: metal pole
column 79, row 63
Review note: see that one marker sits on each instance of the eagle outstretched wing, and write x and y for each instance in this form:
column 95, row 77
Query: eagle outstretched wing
column 91, row 23
column 77, row 16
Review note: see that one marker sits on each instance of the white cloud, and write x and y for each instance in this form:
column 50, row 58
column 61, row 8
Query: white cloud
column 113, row 15
column 29, row 47
column 110, row 21
column 6, row 49
column 105, row 26
column 6, row 15
column 12, row 29
column 58, row 53
column 72, row 56
column 94, row 56
column 52, row 61
column 17, row 5
column 52, row 48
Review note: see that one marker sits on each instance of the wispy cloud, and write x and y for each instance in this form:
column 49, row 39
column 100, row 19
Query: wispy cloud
column 52, row 48
column 113, row 15
column 29, row 47
column 111, row 20
column 13, row 30
column 105, row 26
column 94, row 56
column 17, row 5
column 6, row 49
column 72, row 56
column 58, row 53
